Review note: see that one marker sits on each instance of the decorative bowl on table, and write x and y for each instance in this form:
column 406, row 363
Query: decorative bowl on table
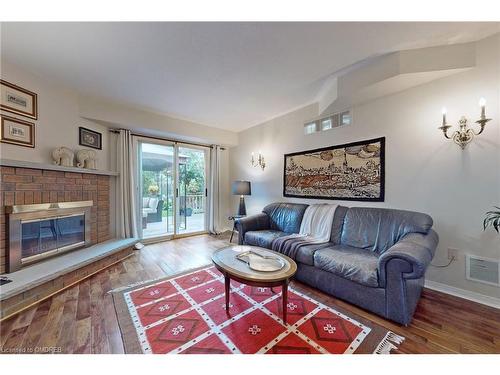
column 262, row 263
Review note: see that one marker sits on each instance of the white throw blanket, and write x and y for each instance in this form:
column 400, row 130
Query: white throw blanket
column 316, row 228
column 317, row 222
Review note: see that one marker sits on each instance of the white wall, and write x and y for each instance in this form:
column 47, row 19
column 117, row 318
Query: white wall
column 424, row 171
column 58, row 120
column 151, row 123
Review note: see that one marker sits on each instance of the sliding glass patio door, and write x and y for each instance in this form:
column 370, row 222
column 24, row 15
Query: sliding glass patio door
column 172, row 189
column 156, row 189
column 192, row 189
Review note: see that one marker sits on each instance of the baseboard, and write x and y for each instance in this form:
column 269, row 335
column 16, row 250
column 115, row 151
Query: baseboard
column 462, row 293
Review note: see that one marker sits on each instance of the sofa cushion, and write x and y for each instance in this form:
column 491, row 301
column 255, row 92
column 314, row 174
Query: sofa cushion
column 338, row 223
column 353, row 264
column 305, row 254
column 377, row 229
column 285, row 217
column 262, row 238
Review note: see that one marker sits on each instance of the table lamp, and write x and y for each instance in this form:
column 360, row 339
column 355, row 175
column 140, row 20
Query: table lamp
column 242, row 188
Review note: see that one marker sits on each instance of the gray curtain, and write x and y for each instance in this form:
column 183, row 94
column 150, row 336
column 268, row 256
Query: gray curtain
column 126, row 218
column 214, row 191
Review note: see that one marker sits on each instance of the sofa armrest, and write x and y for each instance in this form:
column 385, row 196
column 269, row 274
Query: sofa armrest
column 415, row 250
column 254, row 222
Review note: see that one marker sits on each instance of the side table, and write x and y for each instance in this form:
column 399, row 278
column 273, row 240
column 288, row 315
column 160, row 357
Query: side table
column 234, row 218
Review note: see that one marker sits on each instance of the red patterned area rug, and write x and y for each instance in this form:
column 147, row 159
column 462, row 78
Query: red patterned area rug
column 186, row 314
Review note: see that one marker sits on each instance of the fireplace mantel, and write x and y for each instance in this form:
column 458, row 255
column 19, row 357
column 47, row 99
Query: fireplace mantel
column 53, row 167
column 23, row 208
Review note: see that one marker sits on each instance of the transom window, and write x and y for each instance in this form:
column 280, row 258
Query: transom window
column 310, row 128
column 332, row 121
column 326, row 124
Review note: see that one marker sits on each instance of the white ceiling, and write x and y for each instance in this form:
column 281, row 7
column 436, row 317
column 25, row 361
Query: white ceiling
column 227, row 75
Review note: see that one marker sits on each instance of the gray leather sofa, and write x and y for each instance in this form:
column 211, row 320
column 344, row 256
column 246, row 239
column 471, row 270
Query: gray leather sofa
column 376, row 257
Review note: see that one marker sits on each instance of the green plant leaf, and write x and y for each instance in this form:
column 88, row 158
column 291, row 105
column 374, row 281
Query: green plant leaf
column 492, row 218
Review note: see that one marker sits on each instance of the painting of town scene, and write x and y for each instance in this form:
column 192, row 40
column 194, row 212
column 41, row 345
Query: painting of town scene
column 353, row 171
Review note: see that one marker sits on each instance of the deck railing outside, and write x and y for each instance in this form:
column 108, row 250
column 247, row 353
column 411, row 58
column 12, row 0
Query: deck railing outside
column 196, row 202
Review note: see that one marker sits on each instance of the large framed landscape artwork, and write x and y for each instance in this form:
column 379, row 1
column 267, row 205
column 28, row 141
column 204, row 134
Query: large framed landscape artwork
column 353, row 171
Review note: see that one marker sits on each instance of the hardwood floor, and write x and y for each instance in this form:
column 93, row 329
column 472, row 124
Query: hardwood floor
column 82, row 319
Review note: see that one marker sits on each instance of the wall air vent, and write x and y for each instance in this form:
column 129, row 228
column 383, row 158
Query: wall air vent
column 483, row 270
column 328, row 122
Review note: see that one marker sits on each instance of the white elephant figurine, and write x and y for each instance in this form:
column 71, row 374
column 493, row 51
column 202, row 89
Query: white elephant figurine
column 86, row 159
column 63, row 156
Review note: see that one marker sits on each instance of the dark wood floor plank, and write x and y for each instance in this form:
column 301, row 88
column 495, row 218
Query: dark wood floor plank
column 82, row 319
column 18, row 332
column 83, row 330
column 67, row 328
column 50, row 331
column 99, row 340
column 83, row 306
column 5, row 329
column 39, row 320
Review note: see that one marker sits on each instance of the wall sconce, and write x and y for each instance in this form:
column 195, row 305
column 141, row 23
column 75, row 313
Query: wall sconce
column 465, row 135
column 260, row 162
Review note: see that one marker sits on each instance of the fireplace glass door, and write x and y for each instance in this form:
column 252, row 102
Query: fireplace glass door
column 41, row 237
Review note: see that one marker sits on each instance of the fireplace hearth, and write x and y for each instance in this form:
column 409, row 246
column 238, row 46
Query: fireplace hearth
column 38, row 231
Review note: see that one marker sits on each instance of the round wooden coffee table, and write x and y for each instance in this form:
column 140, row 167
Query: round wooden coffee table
column 232, row 268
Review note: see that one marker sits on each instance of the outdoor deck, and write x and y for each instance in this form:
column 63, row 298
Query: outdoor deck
column 194, row 223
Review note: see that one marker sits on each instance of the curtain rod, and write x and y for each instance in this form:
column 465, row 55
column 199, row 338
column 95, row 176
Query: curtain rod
column 165, row 139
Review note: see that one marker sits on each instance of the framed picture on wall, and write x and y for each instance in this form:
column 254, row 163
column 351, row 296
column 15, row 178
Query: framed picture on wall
column 15, row 99
column 353, row 171
column 90, row 138
column 17, row 132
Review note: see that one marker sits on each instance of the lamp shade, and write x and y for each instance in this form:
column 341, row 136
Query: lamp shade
column 242, row 188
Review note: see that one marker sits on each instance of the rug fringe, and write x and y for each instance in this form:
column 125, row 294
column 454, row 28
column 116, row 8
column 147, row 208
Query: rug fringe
column 386, row 345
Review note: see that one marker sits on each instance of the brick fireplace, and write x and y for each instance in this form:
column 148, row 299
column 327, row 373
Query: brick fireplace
column 21, row 186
